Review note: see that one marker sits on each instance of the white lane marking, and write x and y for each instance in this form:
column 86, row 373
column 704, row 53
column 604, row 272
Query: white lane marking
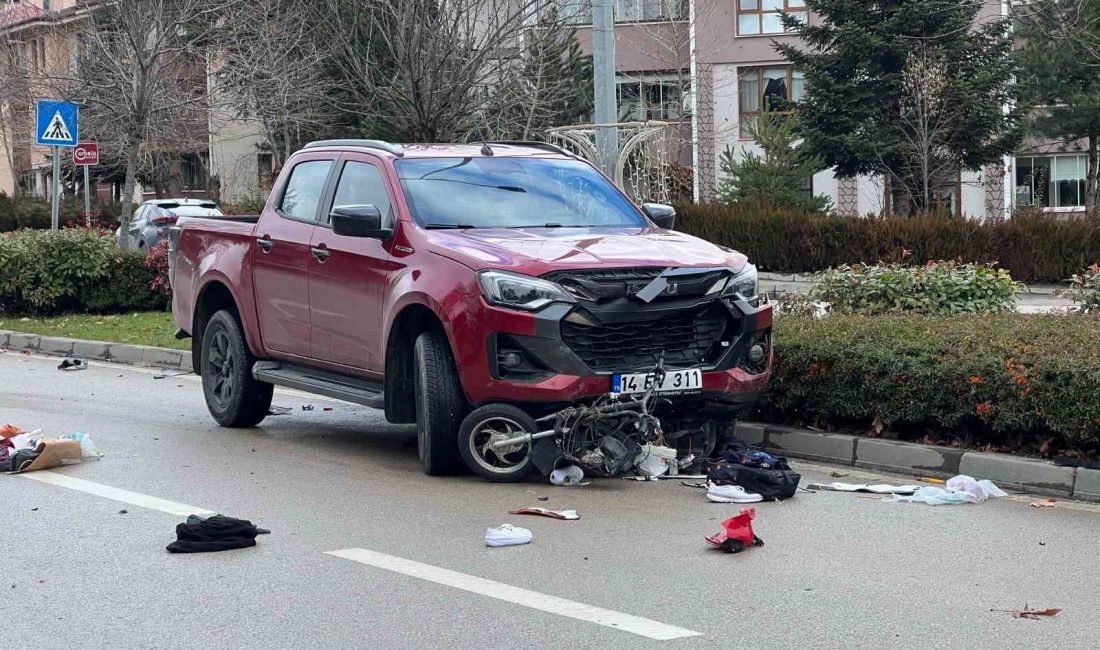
column 116, row 494
column 552, row 604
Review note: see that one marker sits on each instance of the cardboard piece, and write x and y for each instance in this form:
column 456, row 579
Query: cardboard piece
column 52, row 453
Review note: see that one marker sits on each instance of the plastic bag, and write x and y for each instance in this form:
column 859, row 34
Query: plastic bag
column 960, row 489
column 87, row 447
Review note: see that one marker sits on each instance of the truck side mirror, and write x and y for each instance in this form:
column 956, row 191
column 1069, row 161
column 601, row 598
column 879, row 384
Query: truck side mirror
column 662, row 215
column 358, row 221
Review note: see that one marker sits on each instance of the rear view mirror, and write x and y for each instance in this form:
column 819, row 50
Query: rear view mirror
column 662, row 215
column 358, row 221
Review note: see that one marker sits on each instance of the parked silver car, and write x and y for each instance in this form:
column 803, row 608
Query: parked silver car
column 151, row 220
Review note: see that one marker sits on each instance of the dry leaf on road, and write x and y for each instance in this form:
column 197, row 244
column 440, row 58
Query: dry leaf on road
column 1046, row 503
column 1026, row 612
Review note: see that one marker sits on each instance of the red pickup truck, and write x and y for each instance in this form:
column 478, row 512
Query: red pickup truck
column 428, row 280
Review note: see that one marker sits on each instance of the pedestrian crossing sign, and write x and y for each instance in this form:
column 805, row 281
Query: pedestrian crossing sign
column 58, row 123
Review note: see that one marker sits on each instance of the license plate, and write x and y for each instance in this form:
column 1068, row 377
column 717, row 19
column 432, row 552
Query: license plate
column 676, row 382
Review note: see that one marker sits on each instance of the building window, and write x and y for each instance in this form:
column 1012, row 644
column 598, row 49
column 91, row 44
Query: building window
column 651, row 97
column 773, row 89
column 579, row 12
column 763, row 16
column 192, row 172
column 1051, row 181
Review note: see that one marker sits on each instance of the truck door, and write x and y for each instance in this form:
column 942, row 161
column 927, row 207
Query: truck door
column 348, row 275
column 282, row 258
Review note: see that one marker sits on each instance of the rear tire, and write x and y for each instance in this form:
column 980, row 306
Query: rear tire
column 493, row 422
column 440, row 405
column 233, row 397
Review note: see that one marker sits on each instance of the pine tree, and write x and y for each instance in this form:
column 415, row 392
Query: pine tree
column 1061, row 75
column 860, row 112
column 776, row 179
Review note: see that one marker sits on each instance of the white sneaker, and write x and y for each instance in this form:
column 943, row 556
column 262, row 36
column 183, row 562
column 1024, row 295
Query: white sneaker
column 731, row 494
column 507, row 535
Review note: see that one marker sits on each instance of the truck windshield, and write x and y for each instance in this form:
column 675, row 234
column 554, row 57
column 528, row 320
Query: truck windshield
column 512, row 193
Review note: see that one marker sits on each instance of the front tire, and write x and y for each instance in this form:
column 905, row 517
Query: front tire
column 491, row 423
column 440, row 405
column 233, row 397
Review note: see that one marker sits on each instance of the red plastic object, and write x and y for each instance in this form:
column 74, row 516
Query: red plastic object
column 737, row 527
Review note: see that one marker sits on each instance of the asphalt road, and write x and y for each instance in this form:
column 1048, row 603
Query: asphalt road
column 837, row 570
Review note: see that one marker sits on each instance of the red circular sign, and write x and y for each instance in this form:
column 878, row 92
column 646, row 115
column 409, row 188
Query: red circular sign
column 86, row 153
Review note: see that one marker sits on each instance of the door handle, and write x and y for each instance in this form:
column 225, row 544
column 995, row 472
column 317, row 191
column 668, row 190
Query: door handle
column 320, row 252
column 265, row 243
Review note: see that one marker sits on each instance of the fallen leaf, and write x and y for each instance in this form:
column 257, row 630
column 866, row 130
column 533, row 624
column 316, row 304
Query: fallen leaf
column 1047, row 503
column 836, row 474
column 1035, row 613
column 1044, row 449
column 877, row 426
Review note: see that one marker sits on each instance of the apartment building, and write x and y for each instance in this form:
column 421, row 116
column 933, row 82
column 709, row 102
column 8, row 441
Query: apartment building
column 736, row 70
column 216, row 154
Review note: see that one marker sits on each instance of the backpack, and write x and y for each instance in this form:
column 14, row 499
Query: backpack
column 772, row 484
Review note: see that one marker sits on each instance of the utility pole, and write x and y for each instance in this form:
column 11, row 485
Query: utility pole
column 603, row 64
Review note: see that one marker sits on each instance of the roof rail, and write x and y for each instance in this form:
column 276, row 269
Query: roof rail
column 381, row 145
column 533, row 144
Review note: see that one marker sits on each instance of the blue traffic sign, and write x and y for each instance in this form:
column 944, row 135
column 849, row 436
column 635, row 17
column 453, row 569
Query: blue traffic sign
column 58, row 123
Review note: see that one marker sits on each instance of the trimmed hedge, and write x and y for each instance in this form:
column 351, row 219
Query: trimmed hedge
column 1034, row 248
column 939, row 288
column 30, row 212
column 44, row 272
column 985, row 379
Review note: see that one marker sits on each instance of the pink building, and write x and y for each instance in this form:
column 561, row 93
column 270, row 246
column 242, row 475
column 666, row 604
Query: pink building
column 735, row 66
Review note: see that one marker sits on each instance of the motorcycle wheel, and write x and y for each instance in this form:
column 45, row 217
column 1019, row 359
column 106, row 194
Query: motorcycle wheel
column 491, row 423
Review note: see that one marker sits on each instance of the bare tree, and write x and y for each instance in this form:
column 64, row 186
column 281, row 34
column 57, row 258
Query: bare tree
column 15, row 102
column 419, row 69
column 927, row 120
column 272, row 67
column 141, row 75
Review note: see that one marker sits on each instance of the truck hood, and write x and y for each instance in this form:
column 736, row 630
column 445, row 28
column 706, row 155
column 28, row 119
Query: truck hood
column 535, row 251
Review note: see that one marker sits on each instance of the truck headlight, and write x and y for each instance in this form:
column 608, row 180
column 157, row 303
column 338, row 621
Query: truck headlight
column 520, row 291
column 744, row 283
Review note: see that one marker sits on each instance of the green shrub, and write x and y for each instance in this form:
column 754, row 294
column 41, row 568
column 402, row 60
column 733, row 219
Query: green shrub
column 1044, row 248
column 940, row 288
column 72, row 270
column 1085, row 289
column 983, row 378
column 31, row 212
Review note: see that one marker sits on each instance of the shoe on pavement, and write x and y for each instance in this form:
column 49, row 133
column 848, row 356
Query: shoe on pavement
column 507, row 535
column 731, row 494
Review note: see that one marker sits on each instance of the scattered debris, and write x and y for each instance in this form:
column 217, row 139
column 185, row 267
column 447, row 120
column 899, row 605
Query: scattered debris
column 683, row 476
column 929, row 479
column 217, row 533
column 1027, row 612
column 123, row 512
column 568, row 515
column 10, row 430
column 73, row 364
column 87, row 447
column 570, row 475
column 863, row 487
column 327, row 408
column 960, row 489
column 731, row 494
column 701, row 486
column 507, row 535
column 278, row 410
column 40, row 454
column 544, row 498
column 1045, row 503
column 836, row 474
column 736, row 534
column 307, row 407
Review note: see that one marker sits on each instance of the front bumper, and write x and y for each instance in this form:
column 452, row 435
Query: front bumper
column 554, row 373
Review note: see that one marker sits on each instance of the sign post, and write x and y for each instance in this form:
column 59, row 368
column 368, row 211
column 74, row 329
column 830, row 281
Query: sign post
column 57, row 126
column 85, row 155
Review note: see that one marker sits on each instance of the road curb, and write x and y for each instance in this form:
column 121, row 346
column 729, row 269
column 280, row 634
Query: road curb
column 134, row 355
column 1028, row 475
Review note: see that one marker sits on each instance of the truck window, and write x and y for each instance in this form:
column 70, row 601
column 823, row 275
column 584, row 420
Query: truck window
column 362, row 184
column 304, row 189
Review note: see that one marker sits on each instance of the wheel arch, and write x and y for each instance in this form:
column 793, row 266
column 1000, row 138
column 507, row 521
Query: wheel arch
column 213, row 297
column 412, row 321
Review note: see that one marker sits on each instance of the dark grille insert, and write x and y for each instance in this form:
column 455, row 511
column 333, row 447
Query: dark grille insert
column 688, row 338
column 598, row 285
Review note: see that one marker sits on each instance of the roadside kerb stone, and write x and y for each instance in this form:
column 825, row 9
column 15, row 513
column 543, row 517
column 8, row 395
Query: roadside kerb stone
column 20, row 341
column 831, row 447
column 1087, row 485
column 752, row 434
column 894, row 455
column 161, row 357
column 1019, row 473
column 91, row 349
column 122, row 353
column 56, row 345
column 4, row 335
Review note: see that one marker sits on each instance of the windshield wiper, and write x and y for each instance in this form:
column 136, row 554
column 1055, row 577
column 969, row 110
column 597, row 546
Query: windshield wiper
column 448, row 226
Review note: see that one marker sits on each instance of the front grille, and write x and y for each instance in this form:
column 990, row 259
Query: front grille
column 599, row 285
column 688, row 339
